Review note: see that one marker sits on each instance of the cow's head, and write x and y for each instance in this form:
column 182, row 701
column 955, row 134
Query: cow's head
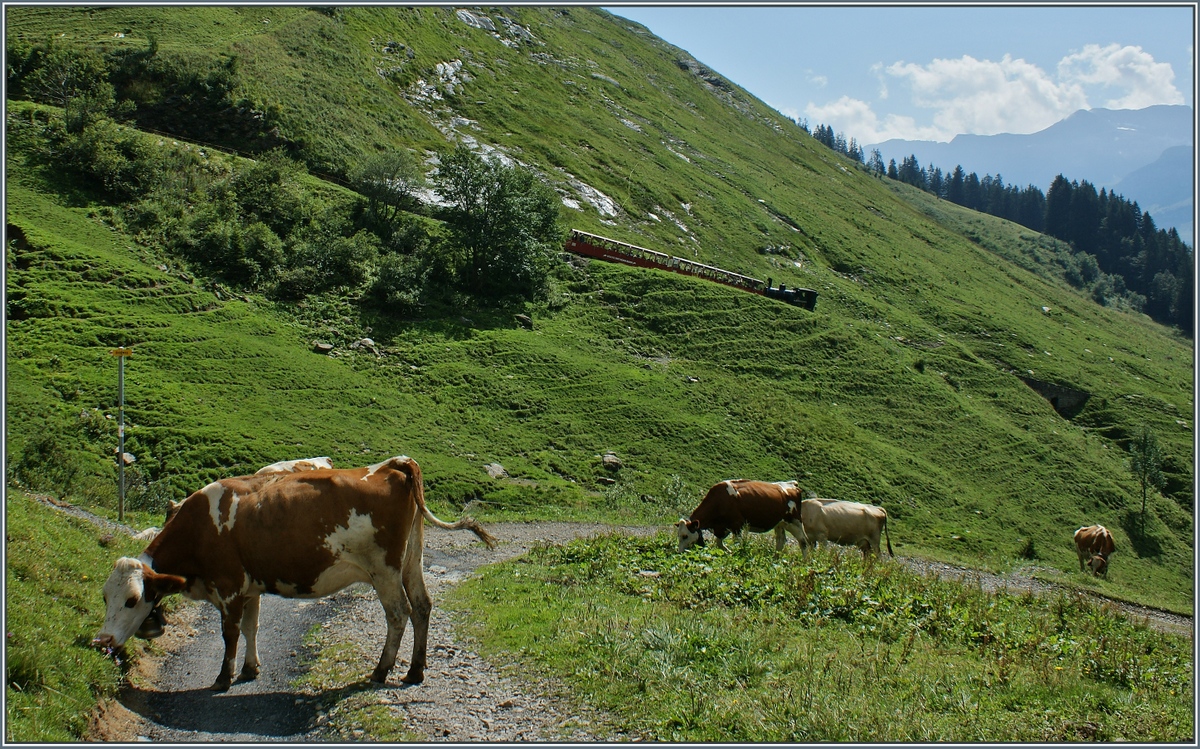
column 689, row 533
column 130, row 593
column 1098, row 565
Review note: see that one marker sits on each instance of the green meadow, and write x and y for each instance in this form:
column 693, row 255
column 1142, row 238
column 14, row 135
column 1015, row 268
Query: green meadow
column 902, row 388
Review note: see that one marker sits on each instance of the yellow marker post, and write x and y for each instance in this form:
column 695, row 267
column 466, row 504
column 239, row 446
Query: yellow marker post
column 121, row 354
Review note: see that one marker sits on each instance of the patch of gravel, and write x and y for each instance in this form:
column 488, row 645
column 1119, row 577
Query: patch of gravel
column 465, row 698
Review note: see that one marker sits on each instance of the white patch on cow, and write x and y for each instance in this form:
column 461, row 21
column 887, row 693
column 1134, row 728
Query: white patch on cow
column 792, row 505
column 125, row 583
column 729, row 487
column 295, row 466
column 356, row 537
column 786, row 484
column 338, row 576
column 233, row 508
column 287, row 590
column 214, row 492
column 198, row 591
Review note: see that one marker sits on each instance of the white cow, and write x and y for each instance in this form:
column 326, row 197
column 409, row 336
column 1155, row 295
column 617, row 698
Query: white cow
column 293, row 466
column 851, row 523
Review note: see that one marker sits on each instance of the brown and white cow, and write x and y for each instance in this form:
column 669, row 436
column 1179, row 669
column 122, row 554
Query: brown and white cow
column 733, row 505
column 156, row 621
column 301, row 535
column 1094, row 544
column 841, row 522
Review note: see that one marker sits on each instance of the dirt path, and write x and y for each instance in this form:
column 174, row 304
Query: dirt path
column 464, row 697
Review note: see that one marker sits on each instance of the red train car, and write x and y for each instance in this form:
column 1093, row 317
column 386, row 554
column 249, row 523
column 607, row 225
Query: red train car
column 614, row 251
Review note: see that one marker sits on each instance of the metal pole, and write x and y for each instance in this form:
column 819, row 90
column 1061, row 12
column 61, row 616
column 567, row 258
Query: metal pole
column 121, row 433
column 121, row 353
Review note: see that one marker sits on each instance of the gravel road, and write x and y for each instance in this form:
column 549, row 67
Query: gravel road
column 464, row 697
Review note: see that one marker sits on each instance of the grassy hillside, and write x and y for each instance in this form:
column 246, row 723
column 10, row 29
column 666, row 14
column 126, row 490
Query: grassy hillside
column 901, row 388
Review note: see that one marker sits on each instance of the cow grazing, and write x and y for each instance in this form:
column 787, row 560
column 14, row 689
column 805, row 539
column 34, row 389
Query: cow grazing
column 1093, row 545
column 733, row 505
column 300, row 535
column 851, row 523
column 155, row 623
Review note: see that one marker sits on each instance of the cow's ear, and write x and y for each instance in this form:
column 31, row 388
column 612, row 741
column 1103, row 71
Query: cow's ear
column 693, row 526
column 157, row 586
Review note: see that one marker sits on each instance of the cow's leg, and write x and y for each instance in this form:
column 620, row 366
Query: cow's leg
column 797, row 532
column 780, row 539
column 250, row 632
column 231, row 616
column 390, row 587
column 420, row 606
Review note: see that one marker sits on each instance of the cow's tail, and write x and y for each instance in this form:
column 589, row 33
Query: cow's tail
column 887, row 535
column 466, row 522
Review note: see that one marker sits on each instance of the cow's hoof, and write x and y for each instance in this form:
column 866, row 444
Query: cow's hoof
column 414, row 677
column 379, row 677
column 248, row 674
column 220, row 685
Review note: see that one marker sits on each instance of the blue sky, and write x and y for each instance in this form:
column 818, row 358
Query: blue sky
column 930, row 73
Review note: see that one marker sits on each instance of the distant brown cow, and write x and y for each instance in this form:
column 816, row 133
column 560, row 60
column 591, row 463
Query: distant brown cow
column 733, row 505
column 303, row 535
column 1094, row 544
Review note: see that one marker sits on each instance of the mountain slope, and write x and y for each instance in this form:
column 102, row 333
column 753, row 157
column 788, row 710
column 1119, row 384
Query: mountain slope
column 1164, row 189
column 901, row 388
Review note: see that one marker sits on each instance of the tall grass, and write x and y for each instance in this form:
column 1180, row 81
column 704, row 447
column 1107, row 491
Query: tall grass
column 55, row 566
column 751, row 646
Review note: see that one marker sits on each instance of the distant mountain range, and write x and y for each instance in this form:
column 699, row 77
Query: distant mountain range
column 1146, row 155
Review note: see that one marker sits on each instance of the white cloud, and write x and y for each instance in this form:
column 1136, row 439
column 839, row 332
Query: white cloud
column 950, row 96
column 858, row 120
column 987, row 97
column 1139, row 80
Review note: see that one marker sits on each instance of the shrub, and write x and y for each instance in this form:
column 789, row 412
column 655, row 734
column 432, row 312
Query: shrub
column 116, row 158
column 75, row 79
column 267, row 191
column 389, row 182
column 45, row 464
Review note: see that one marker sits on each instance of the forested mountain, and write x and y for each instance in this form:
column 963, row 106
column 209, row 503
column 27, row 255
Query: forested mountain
column 1120, row 256
column 315, row 227
column 1102, row 146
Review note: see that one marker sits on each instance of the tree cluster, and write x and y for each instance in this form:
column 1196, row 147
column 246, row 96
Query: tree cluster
column 263, row 224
